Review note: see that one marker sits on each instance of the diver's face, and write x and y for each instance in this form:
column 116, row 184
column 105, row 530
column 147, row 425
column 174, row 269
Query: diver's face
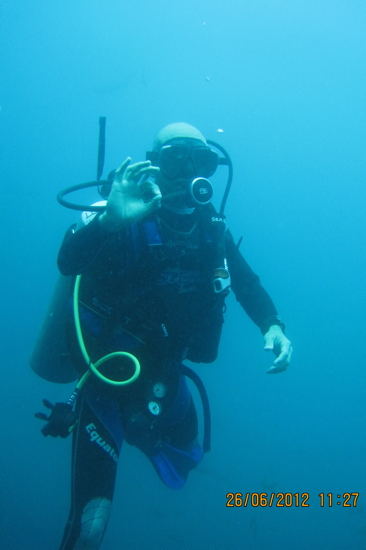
column 178, row 169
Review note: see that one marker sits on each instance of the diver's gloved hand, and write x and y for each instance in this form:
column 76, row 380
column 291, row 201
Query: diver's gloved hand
column 276, row 341
column 61, row 420
column 132, row 197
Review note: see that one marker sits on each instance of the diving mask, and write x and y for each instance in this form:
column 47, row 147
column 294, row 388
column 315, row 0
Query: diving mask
column 175, row 160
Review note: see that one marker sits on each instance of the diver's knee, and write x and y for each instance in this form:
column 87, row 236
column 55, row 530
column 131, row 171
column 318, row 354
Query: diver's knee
column 93, row 524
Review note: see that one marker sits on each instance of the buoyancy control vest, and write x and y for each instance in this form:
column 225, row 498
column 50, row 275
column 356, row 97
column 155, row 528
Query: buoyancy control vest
column 50, row 357
column 167, row 292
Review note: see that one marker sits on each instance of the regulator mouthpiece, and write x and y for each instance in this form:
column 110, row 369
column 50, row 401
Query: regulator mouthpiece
column 201, row 191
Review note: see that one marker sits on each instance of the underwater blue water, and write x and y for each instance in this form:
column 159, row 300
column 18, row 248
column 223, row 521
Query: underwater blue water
column 285, row 80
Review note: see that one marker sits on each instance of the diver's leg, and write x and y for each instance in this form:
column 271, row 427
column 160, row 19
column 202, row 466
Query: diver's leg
column 178, row 452
column 169, row 441
column 94, row 466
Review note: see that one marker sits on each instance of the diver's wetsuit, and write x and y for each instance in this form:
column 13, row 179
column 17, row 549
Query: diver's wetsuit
column 148, row 290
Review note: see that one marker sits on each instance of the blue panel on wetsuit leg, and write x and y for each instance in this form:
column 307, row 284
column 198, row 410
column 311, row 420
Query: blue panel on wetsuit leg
column 173, row 465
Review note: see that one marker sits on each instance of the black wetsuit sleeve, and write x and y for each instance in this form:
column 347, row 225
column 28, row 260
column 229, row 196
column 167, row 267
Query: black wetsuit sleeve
column 79, row 248
column 248, row 290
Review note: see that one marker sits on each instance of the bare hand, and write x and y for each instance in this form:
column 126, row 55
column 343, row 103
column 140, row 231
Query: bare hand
column 276, row 341
column 132, row 197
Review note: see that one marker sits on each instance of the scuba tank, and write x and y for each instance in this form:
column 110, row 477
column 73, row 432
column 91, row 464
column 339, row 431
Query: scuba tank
column 49, row 358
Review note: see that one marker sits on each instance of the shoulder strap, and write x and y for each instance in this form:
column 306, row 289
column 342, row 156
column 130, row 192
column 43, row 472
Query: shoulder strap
column 215, row 228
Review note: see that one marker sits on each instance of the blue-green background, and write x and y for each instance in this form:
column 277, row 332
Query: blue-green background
column 286, row 81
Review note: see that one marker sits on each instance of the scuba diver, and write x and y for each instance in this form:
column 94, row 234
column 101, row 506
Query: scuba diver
column 153, row 269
